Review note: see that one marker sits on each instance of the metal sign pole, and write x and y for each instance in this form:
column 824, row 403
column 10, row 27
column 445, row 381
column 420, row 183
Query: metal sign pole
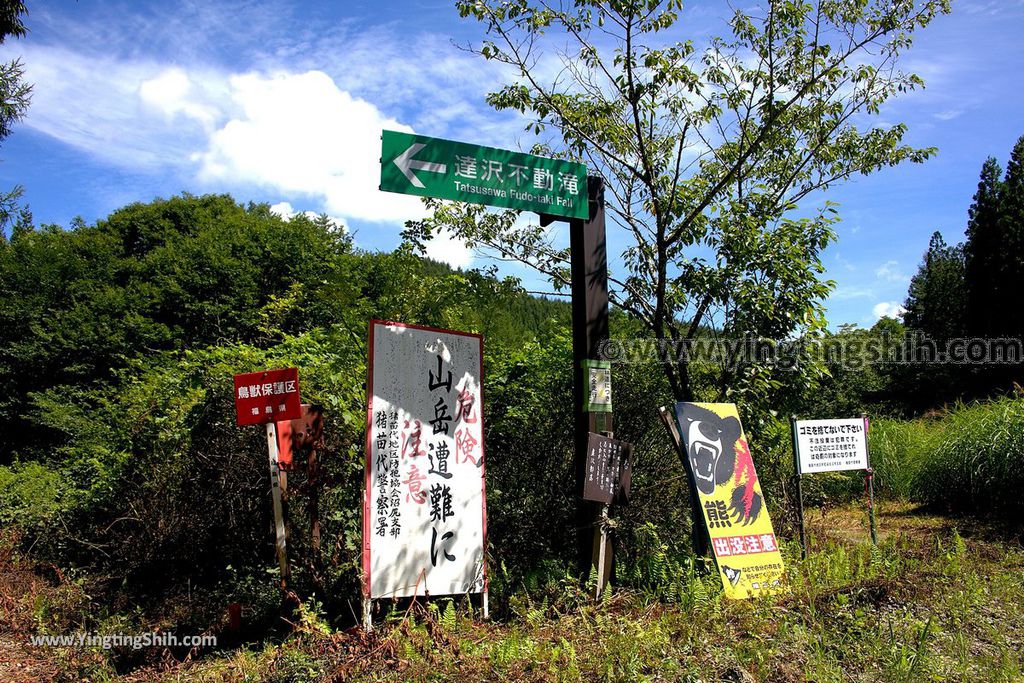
column 869, row 476
column 275, row 486
column 799, row 487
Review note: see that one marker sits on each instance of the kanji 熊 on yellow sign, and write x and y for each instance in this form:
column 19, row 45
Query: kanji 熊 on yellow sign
column 730, row 495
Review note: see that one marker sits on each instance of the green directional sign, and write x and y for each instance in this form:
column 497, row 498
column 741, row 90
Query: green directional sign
column 432, row 167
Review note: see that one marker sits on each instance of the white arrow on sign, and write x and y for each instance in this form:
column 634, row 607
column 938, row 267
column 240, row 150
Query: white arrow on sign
column 406, row 164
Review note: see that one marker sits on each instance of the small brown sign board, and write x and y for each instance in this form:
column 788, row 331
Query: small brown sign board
column 608, row 469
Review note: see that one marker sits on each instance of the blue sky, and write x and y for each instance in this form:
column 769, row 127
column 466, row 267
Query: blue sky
column 284, row 103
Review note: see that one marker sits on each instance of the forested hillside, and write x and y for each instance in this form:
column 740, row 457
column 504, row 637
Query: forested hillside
column 89, row 307
column 122, row 454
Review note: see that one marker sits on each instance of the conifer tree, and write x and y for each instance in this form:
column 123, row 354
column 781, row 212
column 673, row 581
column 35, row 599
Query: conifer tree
column 982, row 251
column 1011, row 232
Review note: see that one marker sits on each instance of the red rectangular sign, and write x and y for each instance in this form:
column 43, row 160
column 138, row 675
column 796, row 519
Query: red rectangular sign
column 298, row 438
column 267, row 396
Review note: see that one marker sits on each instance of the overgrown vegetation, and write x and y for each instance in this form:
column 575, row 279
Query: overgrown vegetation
column 131, row 502
column 124, row 471
column 929, row 603
column 970, row 459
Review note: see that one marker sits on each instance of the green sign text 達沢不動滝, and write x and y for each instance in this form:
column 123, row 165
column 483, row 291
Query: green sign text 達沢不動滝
column 432, row 167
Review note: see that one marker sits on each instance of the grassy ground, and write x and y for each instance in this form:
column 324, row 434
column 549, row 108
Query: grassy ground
column 937, row 600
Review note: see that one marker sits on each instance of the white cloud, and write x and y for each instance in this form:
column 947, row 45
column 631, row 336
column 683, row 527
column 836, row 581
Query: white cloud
column 888, row 309
column 890, row 272
column 289, row 133
column 842, row 293
column 845, row 263
column 95, row 104
column 283, row 209
column 990, row 8
column 286, row 211
column 449, row 249
column 948, row 114
column 172, row 93
column 304, row 123
column 301, row 134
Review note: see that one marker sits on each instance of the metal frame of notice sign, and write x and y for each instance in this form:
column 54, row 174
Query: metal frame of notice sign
column 835, row 445
column 732, row 503
column 424, row 505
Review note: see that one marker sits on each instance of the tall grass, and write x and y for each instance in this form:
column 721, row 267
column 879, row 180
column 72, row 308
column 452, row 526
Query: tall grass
column 898, row 452
column 970, row 460
column 976, row 463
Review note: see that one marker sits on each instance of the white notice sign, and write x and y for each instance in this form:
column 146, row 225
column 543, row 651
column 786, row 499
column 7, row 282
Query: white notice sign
column 831, row 445
column 424, row 513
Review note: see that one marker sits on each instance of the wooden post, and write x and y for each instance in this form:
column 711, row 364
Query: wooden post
column 869, row 475
column 601, row 552
column 698, row 533
column 275, row 491
column 313, row 470
column 368, row 614
column 799, row 487
column 589, row 271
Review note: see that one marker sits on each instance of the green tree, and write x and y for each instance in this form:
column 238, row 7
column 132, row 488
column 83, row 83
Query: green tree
column 82, row 304
column 1011, row 230
column 15, row 95
column 971, row 290
column 983, row 252
column 994, row 265
column 706, row 151
column 937, row 310
column 937, row 300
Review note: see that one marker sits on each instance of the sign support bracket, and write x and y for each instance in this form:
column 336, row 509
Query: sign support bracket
column 799, row 488
column 869, row 480
column 699, row 534
column 276, row 485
